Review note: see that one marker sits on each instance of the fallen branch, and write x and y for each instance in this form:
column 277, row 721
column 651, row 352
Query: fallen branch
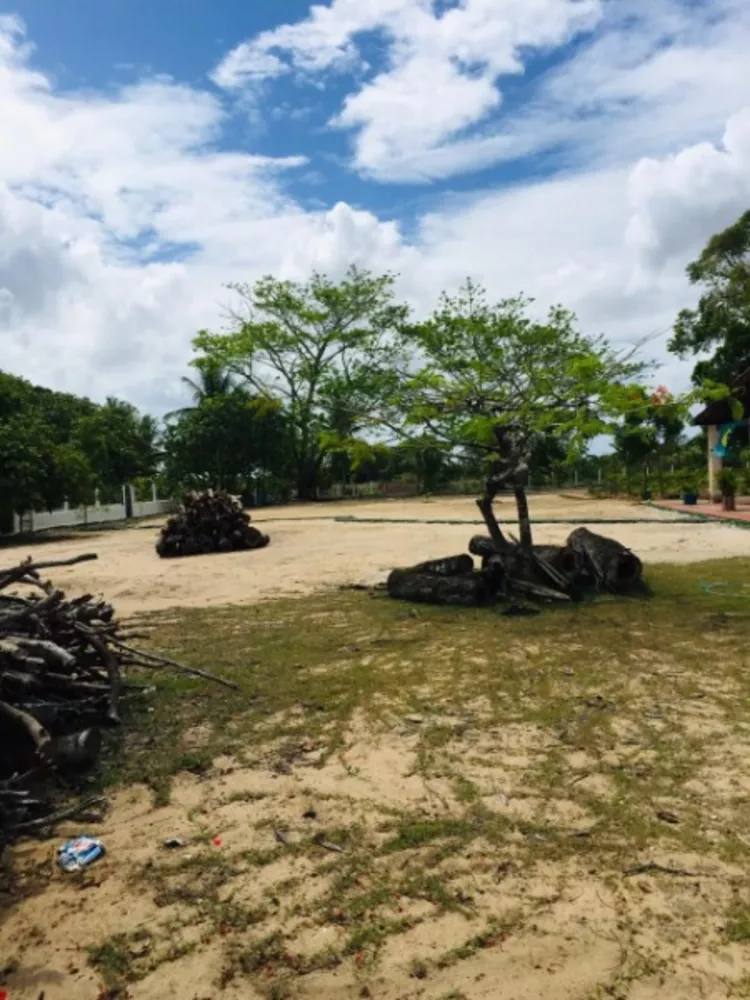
column 150, row 660
column 651, row 867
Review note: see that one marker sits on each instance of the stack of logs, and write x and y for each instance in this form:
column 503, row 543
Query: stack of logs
column 61, row 680
column 212, row 521
column 538, row 572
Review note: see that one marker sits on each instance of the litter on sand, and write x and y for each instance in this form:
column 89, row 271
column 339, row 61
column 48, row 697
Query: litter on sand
column 79, row 853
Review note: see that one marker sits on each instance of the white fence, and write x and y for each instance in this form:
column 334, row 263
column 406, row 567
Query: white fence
column 97, row 514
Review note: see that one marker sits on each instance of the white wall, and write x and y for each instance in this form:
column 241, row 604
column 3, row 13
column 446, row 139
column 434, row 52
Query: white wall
column 65, row 517
column 151, row 508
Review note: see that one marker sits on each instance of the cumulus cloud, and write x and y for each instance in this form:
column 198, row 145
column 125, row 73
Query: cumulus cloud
column 120, row 221
column 677, row 200
column 442, row 73
column 646, row 74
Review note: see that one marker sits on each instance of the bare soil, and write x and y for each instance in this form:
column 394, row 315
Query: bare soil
column 410, row 803
column 311, row 549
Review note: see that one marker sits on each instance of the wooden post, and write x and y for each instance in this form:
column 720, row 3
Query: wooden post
column 715, row 464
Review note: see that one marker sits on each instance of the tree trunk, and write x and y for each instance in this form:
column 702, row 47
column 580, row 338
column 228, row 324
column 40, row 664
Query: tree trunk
column 660, row 472
column 613, row 566
column 524, row 521
column 466, row 590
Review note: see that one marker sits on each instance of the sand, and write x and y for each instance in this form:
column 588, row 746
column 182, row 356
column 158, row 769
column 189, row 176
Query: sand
column 310, row 549
column 575, row 931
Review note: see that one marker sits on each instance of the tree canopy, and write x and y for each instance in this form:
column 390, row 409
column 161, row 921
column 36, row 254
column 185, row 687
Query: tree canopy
column 226, row 441
column 721, row 320
column 55, row 446
column 482, row 368
column 323, row 350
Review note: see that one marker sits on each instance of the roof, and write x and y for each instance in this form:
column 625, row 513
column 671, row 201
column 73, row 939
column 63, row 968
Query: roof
column 720, row 412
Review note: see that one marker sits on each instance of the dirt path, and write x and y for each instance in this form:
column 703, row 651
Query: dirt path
column 310, row 549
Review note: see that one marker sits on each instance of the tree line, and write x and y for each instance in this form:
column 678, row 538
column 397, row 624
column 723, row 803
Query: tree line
column 322, row 382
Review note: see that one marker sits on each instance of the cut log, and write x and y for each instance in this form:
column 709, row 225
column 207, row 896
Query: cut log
column 563, row 558
column 467, row 590
column 450, row 566
column 482, row 546
column 613, row 566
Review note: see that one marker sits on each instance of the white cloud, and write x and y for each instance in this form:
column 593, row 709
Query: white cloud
column 677, row 200
column 648, row 75
column 95, row 190
column 441, row 74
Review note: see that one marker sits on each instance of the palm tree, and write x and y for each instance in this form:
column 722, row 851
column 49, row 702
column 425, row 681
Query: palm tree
column 213, row 381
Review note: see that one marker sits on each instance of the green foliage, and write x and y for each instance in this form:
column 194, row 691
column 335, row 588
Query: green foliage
column 728, row 482
column 325, row 351
column 225, row 442
column 39, row 468
column 55, row 447
column 482, row 366
column 649, row 433
column 120, row 444
column 721, row 321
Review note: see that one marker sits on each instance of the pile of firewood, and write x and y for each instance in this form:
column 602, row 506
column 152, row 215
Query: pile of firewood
column 512, row 570
column 62, row 679
column 212, row 521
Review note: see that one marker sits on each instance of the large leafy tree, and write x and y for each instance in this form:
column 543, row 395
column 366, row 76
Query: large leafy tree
column 493, row 379
column 484, row 368
column 119, row 442
column 39, row 467
column 226, row 442
column 721, row 320
column 325, row 350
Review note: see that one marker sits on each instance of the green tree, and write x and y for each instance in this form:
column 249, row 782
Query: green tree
column 39, row 466
column 324, row 350
column 225, row 442
column 212, row 381
column 667, row 416
column 486, row 368
column 721, row 321
column 119, row 443
column 635, row 438
column 490, row 378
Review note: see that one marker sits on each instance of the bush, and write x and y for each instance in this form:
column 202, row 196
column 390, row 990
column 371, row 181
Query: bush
column 728, row 483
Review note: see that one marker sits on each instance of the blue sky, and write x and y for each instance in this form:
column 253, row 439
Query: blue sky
column 185, row 39
column 578, row 150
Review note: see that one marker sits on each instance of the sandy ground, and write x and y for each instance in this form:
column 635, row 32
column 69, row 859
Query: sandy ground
column 243, row 916
column 310, row 549
column 566, row 928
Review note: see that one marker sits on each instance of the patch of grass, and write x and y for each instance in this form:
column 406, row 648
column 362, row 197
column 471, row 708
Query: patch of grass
column 466, row 791
column 416, row 833
column 113, row 960
column 349, row 665
column 492, row 936
column 423, row 884
column 738, row 921
column 237, row 916
column 371, row 935
column 263, row 953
